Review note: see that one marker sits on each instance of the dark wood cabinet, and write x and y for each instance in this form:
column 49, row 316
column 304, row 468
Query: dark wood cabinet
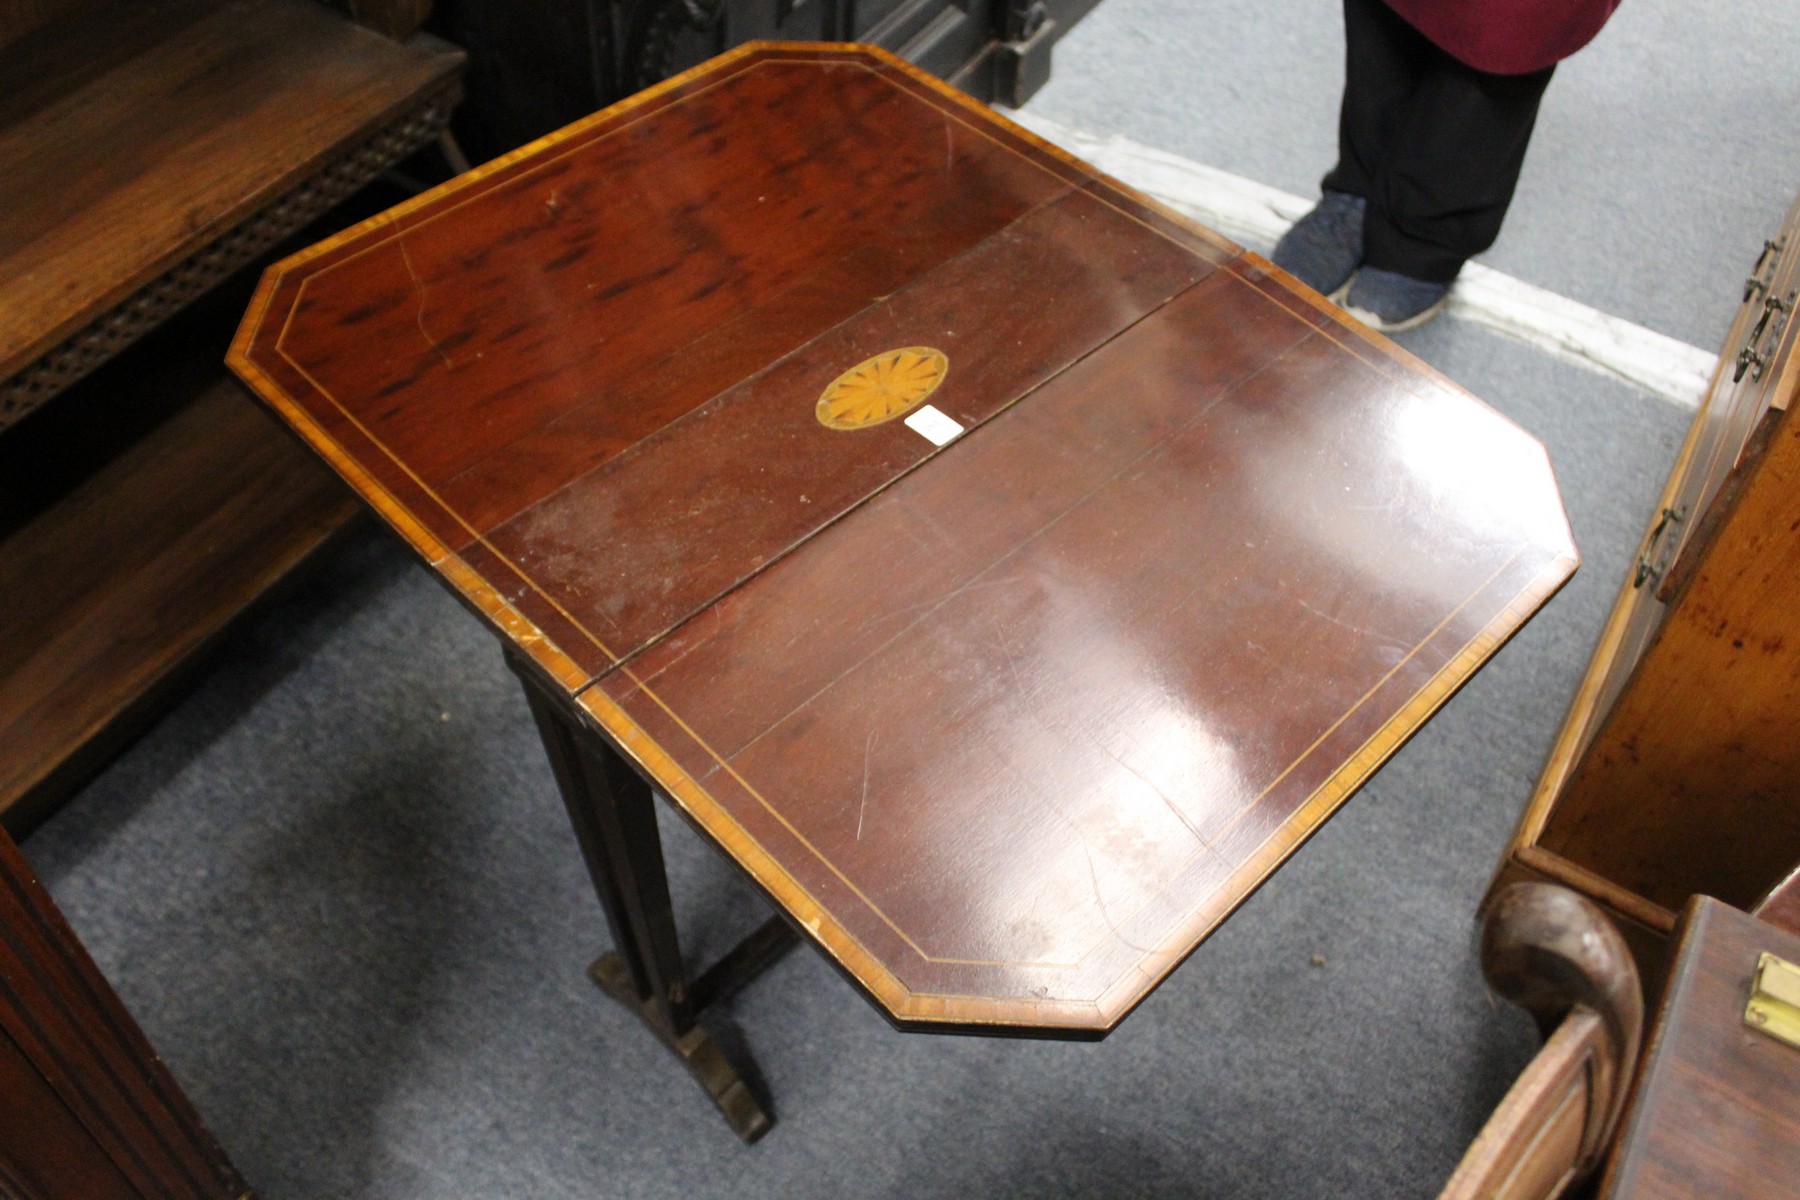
column 538, row 64
column 1716, row 1109
column 86, row 1108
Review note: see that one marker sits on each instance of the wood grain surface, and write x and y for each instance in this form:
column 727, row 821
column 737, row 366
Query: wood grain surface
column 1717, row 1110
column 165, row 126
column 1694, row 787
column 114, row 590
column 1008, row 724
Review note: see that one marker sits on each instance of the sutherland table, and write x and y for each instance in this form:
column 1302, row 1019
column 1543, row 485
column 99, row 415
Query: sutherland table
column 1005, row 726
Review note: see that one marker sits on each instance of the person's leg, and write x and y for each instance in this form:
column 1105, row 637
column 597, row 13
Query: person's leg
column 1449, row 159
column 1385, row 63
column 1442, row 187
column 1382, row 70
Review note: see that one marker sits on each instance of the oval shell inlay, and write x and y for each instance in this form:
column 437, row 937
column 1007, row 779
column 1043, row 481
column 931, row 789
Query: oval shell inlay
column 879, row 389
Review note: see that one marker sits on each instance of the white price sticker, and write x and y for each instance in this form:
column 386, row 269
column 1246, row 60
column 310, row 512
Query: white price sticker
column 933, row 425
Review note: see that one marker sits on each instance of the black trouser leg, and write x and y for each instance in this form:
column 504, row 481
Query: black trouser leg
column 1384, row 64
column 1433, row 144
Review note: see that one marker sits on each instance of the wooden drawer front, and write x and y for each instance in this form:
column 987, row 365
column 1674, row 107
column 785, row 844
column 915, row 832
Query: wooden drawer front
column 1750, row 378
column 1728, row 417
column 1743, row 389
column 1716, row 1114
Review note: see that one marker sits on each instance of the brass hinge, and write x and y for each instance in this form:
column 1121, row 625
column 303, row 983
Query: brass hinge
column 1774, row 1004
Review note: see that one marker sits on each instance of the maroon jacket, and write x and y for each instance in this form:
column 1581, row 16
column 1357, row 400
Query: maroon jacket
column 1507, row 37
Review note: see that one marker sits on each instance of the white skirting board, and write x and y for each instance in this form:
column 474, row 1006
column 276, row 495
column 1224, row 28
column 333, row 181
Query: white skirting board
column 1248, row 211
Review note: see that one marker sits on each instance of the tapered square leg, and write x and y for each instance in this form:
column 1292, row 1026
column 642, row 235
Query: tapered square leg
column 613, row 811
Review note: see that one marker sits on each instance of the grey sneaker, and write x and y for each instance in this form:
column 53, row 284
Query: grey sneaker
column 1324, row 247
column 1390, row 302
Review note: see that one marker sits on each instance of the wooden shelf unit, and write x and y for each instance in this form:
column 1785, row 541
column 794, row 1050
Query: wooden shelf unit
column 156, row 147
column 128, row 578
column 150, row 150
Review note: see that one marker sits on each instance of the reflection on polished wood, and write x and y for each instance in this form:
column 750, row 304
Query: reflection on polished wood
column 1006, row 726
column 1781, row 907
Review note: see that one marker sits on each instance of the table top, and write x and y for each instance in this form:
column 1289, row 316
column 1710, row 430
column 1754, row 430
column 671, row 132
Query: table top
column 1716, row 1113
column 1009, row 724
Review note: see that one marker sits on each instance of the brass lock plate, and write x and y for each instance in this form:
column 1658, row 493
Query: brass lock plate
column 1774, row 1004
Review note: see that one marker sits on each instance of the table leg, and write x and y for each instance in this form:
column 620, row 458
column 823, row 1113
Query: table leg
column 614, row 815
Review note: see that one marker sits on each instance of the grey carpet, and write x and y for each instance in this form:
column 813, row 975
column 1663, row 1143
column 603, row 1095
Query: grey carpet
column 337, row 889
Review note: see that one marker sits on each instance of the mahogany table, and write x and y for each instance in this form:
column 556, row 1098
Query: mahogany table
column 1004, row 572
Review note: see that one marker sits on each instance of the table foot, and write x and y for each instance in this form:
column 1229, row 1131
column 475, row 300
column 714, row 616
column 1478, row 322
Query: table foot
column 702, row 1056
